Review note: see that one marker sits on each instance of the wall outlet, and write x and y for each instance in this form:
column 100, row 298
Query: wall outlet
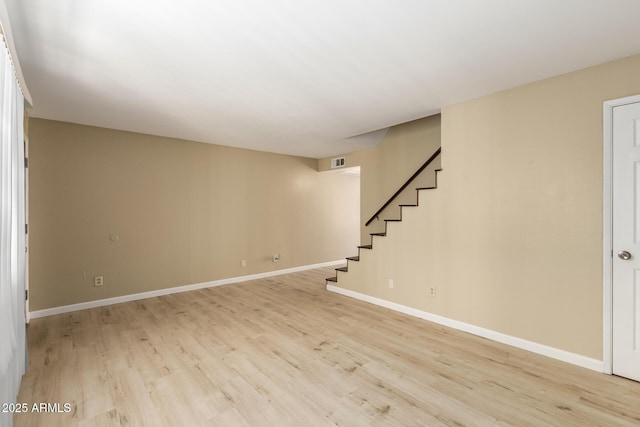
column 243, row 263
column 432, row 291
column 276, row 257
column 390, row 283
column 98, row 281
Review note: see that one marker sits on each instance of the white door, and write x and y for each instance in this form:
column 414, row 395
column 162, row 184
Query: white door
column 626, row 241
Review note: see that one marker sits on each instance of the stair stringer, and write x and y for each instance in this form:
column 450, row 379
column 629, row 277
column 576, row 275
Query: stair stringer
column 409, row 255
column 427, row 179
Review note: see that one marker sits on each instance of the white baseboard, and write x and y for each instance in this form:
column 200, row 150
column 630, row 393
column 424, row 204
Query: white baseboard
column 150, row 294
column 555, row 353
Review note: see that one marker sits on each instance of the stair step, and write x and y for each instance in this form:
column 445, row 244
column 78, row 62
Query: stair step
column 344, row 269
column 332, row 279
column 405, row 186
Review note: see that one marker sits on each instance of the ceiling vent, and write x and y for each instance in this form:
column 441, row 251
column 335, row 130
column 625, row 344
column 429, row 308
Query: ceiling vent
column 337, row 162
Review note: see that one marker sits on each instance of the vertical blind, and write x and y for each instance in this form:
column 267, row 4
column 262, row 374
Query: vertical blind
column 12, row 235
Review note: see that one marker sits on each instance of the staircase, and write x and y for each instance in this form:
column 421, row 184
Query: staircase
column 407, row 196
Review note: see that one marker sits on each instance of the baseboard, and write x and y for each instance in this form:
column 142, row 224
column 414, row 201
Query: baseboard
column 160, row 292
column 555, row 353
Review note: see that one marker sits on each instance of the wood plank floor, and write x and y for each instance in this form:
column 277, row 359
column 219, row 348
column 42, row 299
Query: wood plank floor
column 283, row 351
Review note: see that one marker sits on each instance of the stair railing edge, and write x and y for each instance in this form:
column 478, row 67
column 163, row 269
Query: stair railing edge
column 405, row 185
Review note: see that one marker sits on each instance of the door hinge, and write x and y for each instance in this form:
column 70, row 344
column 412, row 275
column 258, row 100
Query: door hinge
column 26, row 162
column 26, row 229
column 26, row 295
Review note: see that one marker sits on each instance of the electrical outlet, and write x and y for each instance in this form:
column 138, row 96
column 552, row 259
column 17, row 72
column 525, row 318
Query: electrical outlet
column 390, row 283
column 243, row 263
column 276, row 257
column 432, row 291
column 98, row 281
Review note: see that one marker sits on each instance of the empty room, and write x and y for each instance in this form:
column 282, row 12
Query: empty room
column 349, row 213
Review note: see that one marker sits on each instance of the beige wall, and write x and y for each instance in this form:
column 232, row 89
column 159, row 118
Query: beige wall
column 512, row 237
column 386, row 167
column 184, row 212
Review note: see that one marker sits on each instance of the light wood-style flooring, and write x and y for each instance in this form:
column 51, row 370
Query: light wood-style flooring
column 283, row 351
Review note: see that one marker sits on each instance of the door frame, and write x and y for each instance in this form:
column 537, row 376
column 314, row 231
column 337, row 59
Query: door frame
column 27, row 310
column 607, row 229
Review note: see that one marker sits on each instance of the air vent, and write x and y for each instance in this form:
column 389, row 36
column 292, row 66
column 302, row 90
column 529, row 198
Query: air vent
column 337, row 162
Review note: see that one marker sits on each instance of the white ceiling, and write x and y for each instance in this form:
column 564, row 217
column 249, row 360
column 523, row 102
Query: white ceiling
column 300, row 77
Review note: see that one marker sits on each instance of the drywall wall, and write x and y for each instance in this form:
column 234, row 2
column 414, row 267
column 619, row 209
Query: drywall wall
column 512, row 237
column 150, row 213
column 386, row 167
